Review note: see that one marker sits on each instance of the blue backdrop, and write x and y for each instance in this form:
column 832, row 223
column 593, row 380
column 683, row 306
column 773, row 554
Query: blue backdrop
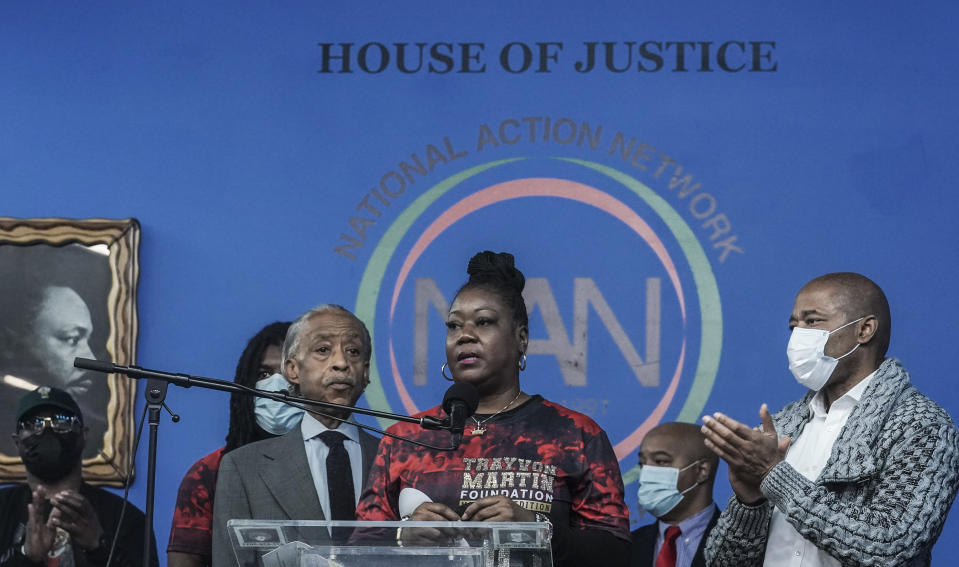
column 666, row 198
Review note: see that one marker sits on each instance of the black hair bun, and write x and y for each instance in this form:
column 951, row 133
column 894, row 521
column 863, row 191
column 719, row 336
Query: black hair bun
column 495, row 268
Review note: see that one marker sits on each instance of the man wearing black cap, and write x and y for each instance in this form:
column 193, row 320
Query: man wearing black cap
column 56, row 519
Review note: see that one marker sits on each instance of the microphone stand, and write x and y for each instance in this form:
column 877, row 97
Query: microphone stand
column 155, row 399
column 157, row 383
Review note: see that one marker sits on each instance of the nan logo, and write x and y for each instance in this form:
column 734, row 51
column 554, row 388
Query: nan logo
column 625, row 315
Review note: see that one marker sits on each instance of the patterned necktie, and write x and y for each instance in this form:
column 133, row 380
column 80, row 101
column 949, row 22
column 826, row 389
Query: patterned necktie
column 667, row 553
column 339, row 477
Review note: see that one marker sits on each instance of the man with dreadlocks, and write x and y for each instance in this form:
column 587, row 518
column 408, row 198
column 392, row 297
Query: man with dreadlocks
column 191, row 539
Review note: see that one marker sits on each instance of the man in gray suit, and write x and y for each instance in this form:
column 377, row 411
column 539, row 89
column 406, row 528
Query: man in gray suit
column 326, row 356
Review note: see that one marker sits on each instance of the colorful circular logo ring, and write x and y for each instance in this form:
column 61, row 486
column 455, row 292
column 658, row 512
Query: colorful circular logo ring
column 707, row 290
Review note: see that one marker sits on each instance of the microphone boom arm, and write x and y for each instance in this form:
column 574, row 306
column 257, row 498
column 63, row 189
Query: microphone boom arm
column 188, row 381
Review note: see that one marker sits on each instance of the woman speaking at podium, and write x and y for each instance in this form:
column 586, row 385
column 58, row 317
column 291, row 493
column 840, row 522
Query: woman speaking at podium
column 522, row 458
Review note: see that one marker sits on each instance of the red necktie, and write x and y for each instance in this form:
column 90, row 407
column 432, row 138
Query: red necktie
column 667, row 553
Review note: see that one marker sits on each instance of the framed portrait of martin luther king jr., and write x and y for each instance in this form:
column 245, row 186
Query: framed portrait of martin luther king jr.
column 67, row 290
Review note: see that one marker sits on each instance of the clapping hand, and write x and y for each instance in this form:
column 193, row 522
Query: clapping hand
column 75, row 514
column 750, row 452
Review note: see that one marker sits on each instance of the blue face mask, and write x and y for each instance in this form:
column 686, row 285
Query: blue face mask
column 658, row 488
column 273, row 416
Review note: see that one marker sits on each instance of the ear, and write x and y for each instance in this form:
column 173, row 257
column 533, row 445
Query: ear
column 292, row 373
column 703, row 470
column 366, row 374
column 868, row 328
column 522, row 337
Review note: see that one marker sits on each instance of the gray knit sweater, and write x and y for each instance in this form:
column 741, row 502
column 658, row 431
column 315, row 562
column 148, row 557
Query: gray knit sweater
column 883, row 496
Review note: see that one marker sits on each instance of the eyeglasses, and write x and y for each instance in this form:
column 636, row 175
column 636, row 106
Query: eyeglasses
column 58, row 423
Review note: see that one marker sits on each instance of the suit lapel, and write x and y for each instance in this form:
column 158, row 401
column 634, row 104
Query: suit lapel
column 644, row 544
column 286, row 474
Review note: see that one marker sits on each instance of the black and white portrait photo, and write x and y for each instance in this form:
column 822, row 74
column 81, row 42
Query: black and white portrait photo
column 53, row 300
column 67, row 291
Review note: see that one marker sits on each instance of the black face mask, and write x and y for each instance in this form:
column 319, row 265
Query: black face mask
column 51, row 456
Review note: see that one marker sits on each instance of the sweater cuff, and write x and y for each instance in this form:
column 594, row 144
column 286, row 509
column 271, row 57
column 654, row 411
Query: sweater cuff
column 783, row 484
column 746, row 520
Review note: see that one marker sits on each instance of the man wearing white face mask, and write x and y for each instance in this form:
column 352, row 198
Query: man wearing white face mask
column 676, row 486
column 861, row 471
column 191, row 537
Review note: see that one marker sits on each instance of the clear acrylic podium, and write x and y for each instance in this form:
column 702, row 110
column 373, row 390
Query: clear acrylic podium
column 283, row 543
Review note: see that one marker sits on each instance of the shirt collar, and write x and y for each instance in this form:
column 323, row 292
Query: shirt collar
column 310, row 427
column 817, row 405
column 691, row 525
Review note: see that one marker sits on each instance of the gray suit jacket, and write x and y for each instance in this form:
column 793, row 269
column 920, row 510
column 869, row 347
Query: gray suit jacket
column 269, row 480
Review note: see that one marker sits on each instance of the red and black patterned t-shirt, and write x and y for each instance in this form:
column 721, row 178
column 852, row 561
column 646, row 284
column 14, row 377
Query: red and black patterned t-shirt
column 192, row 530
column 545, row 457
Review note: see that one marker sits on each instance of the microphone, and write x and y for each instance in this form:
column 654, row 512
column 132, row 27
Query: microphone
column 459, row 403
column 96, row 365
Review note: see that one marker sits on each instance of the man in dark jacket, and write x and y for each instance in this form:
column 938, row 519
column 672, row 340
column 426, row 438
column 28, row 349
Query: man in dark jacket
column 676, row 486
column 56, row 518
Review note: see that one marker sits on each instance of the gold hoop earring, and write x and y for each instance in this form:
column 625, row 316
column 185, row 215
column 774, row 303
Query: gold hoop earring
column 443, row 372
column 522, row 362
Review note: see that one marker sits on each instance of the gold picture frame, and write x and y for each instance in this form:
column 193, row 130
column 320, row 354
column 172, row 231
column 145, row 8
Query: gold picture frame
column 68, row 288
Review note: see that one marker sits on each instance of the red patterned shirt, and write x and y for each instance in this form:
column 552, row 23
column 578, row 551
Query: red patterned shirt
column 192, row 530
column 544, row 457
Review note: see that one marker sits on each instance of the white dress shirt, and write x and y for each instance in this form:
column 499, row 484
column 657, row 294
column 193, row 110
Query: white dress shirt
column 317, row 451
column 808, row 454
